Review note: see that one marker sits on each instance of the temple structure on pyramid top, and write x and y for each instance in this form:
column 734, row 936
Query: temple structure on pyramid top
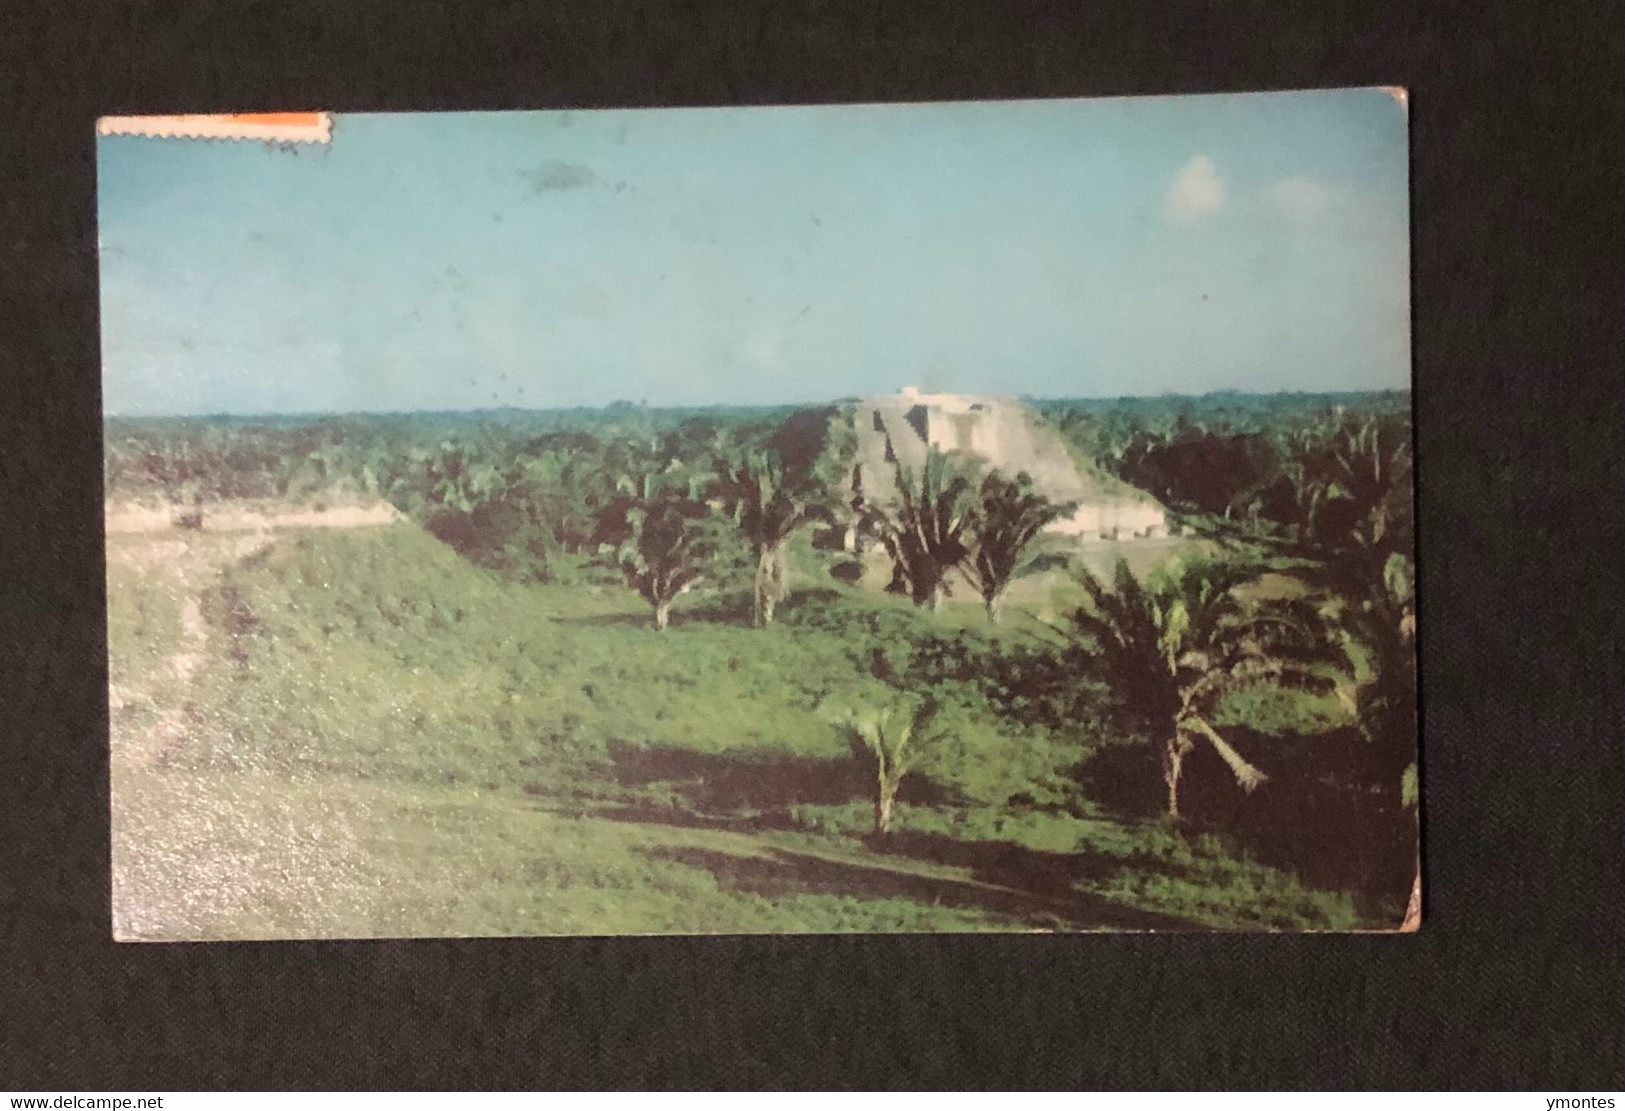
column 900, row 429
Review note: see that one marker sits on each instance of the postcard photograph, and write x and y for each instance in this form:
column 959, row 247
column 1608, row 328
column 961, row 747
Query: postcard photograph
column 986, row 516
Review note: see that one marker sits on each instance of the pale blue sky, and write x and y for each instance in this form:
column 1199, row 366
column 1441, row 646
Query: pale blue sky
column 1073, row 248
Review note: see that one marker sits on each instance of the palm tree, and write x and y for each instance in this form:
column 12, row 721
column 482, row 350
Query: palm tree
column 554, row 491
column 1345, row 530
column 887, row 734
column 1378, row 639
column 667, row 551
column 925, row 533
column 1371, row 462
column 1010, row 516
column 769, row 507
column 1175, row 645
column 1345, row 506
column 458, row 480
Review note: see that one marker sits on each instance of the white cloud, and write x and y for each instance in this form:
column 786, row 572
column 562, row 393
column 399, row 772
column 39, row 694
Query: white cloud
column 1196, row 191
column 1302, row 200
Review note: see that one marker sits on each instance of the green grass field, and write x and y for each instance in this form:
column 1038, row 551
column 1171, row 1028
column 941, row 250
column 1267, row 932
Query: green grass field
column 382, row 740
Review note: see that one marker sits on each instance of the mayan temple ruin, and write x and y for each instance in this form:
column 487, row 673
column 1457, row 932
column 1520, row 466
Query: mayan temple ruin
column 899, row 429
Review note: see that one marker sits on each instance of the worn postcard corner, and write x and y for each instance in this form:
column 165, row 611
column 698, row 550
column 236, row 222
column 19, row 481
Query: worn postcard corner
column 1413, row 909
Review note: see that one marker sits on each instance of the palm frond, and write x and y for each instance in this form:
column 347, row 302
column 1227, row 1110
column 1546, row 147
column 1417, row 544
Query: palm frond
column 1248, row 777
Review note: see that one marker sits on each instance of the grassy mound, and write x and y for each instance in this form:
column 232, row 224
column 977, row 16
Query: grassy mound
column 502, row 758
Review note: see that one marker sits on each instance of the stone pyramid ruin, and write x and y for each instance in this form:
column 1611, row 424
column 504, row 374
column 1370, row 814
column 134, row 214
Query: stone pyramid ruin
column 900, row 429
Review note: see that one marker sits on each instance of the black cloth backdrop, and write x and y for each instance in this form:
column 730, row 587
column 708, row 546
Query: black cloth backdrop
column 1515, row 979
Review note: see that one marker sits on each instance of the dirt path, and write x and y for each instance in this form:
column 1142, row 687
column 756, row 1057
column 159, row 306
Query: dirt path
column 189, row 852
column 195, row 561
column 197, row 570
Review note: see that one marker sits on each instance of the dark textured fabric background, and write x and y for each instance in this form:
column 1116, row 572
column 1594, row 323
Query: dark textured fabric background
column 1514, row 981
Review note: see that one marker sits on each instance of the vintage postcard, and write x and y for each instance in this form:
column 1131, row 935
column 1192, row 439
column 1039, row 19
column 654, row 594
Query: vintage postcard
column 982, row 516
